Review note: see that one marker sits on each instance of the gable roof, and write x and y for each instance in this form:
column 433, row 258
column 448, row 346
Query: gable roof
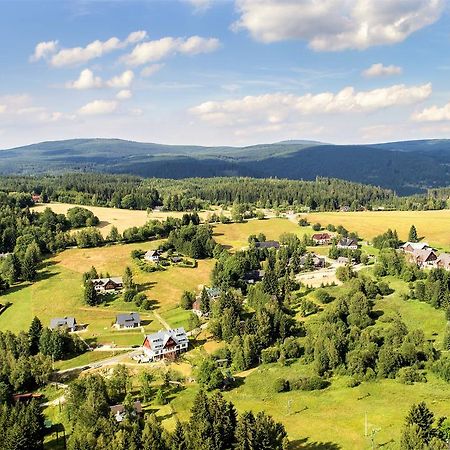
column 213, row 292
column 347, row 242
column 57, row 322
column 321, row 236
column 444, row 258
column 415, row 245
column 267, row 244
column 120, row 408
column 158, row 340
column 115, row 280
column 152, row 253
column 424, row 255
column 128, row 319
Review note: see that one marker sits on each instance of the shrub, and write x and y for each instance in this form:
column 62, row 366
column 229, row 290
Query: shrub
column 270, row 355
column 317, row 227
column 146, row 304
column 313, row 383
column 139, row 298
column 128, row 295
column 323, row 296
column 281, row 385
column 410, row 375
column 442, row 368
column 353, row 382
column 291, row 347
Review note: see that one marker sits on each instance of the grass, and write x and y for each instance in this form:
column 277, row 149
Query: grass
column 58, row 292
column 84, row 359
column 431, row 225
column 235, row 235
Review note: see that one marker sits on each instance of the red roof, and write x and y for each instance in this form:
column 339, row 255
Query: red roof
column 321, row 236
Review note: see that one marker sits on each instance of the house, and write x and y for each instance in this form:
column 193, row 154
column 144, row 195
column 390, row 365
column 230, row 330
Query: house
column 152, row 255
column 410, row 247
column 348, row 244
column 176, row 259
column 165, row 344
column 443, row 261
column 120, row 413
column 423, row 258
column 130, row 320
column 267, row 244
column 318, row 262
column 196, row 308
column 343, row 260
column 253, row 276
column 321, row 238
column 110, row 284
column 63, row 322
column 27, row 397
column 213, row 292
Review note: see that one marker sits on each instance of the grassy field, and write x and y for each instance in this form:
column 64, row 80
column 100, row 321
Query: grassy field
column 431, row 225
column 59, row 292
column 235, row 235
column 121, row 218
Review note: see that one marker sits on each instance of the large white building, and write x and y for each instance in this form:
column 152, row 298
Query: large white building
column 165, row 344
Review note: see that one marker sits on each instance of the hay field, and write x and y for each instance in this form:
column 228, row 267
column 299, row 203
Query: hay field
column 433, row 226
column 121, row 218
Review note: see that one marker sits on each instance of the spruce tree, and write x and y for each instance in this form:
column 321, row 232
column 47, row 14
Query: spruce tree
column 421, row 416
column 177, row 439
column 34, row 335
column 204, row 301
column 412, row 236
column 128, row 279
column 90, row 294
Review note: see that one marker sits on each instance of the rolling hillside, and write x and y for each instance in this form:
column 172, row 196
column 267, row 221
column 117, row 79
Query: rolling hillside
column 407, row 167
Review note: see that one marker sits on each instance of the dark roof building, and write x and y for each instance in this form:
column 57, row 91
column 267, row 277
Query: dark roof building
column 63, row 322
column 267, row 244
column 130, row 320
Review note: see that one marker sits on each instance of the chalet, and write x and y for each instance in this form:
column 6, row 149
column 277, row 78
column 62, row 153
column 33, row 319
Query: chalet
column 253, row 276
column 196, row 308
column 348, row 244
column 165, row 344
column 152, row 255
column 443, row 261
column 411, row 247
column 63, row 322
column 321, row 238
column 267, row 244
column 110, row 284
column 130, row 320
column 27, row 397
column 423, row 258
column 318, row 262
column 119, row 412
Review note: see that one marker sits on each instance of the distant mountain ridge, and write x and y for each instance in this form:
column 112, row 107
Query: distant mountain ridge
column 405, row 166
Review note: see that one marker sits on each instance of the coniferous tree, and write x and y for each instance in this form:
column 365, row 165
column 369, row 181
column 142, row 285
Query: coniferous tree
column 34, row 335
column 412, row 236
column 177, row 439
column 90, row 294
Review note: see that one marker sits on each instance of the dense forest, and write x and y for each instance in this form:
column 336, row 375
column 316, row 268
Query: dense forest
column 131, row 192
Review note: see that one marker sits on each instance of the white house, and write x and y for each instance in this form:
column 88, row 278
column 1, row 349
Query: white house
column 165, row 344
column 152, row 255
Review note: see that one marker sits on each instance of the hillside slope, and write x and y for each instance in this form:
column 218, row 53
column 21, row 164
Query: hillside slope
column 407, row 167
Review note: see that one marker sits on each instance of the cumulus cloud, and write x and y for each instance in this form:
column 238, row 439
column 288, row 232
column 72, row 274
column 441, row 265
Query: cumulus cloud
column 278, row 107
column 43, row 50
column 97, row 107
column 200, row 5
column 433, row 114
column 333, row 25
column 150, row 70
column 379, row 70
column 151, row 51
column 124, row 94
column 86, row 80
column 121, row 81
column 95, row 49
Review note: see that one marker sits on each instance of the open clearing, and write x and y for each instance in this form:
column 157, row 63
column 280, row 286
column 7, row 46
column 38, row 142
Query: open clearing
column 121, row 218
column 433, row 226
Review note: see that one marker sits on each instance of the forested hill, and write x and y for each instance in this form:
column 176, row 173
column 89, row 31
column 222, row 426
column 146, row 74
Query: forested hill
column 407, row 167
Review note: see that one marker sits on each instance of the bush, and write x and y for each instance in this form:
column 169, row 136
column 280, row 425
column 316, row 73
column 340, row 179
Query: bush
column 146, row 304
column 317, row 227
column 410, row 375
column 291, row 347
column 128, row 295
column 270, row 355
column 323, row 296
column 313, row 383
column 281, row 385
column 139, row 298
column 353, row 382
column 442, row 368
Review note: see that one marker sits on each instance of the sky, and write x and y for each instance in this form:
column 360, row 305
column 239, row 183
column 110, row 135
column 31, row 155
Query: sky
column 224, row 72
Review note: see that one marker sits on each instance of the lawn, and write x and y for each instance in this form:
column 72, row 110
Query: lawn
column 431, row 225
column 235, row 235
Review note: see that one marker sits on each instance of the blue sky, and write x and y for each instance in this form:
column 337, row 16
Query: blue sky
column 224, row 72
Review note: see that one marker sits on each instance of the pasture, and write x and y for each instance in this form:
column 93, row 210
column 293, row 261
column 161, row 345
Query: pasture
column 433, row 226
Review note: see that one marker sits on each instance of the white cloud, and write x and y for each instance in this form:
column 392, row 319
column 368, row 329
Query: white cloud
column 124, row 94
column 156, row 50
column 43, row 50
column 121, row 81
column 2, row 109
column 97, row 107
column 150, row 70
column 86, row 80
column 200, row 5
column 379, row 70
column 279, row 107
column 433, row 114
column 95, row 49
column 332, row 25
